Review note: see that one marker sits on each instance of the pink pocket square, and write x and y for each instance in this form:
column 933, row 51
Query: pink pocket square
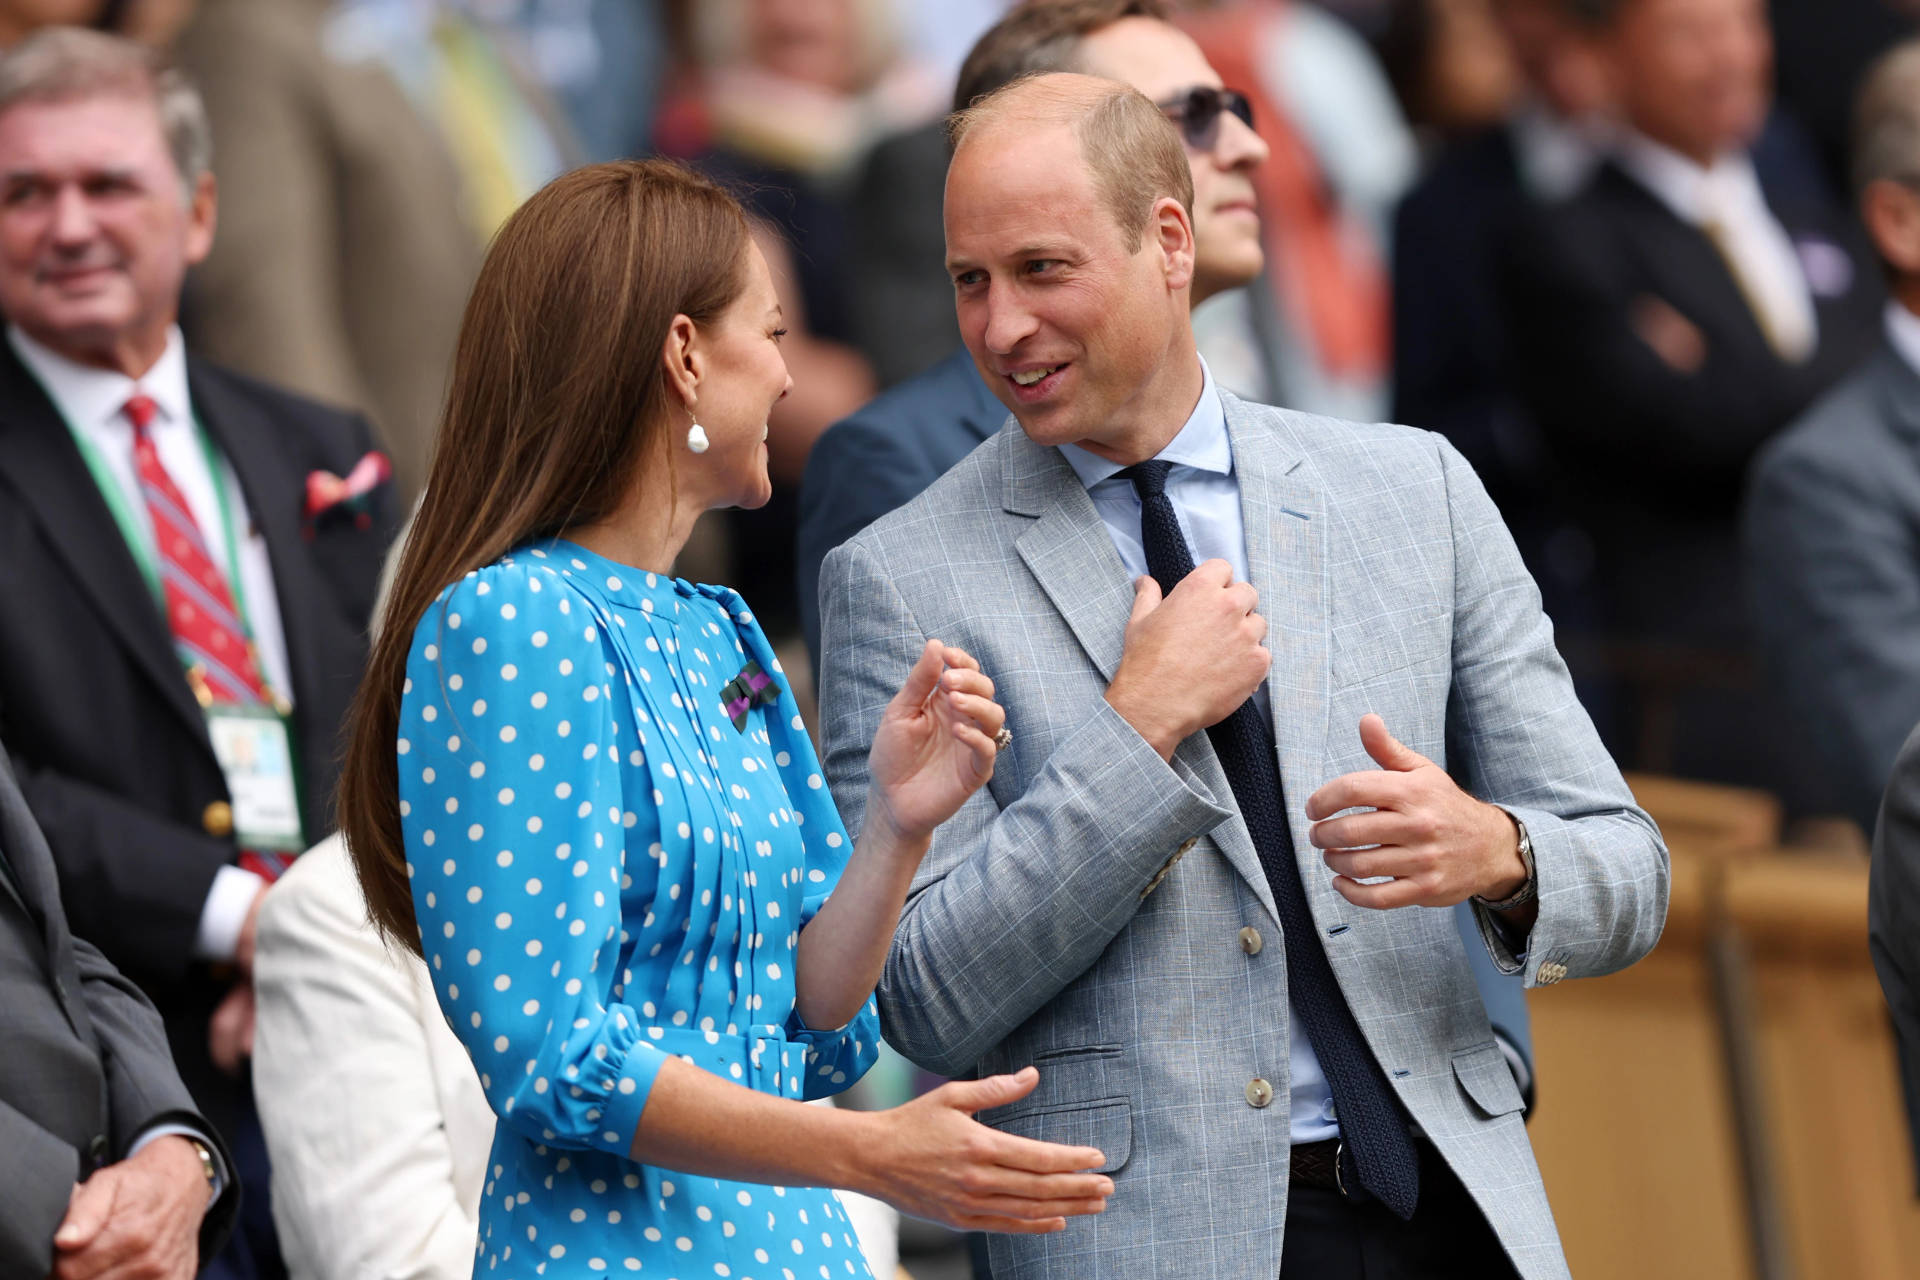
column 326, row 491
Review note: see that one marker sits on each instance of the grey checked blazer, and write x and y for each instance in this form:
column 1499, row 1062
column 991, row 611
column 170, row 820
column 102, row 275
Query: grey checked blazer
column 1056, row 921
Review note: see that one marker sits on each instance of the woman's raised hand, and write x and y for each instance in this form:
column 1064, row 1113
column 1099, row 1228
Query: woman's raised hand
column 934, row 747
column 932, row 1159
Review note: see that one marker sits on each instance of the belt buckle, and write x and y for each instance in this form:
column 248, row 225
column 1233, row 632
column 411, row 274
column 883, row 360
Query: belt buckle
column 1339, row 1177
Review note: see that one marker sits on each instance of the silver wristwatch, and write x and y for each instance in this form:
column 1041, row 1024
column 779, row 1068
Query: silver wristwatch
column 1530, row 890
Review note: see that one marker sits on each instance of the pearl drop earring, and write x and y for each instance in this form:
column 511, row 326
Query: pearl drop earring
column 697, row 438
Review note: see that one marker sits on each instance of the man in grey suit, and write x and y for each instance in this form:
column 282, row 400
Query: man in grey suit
column 890, row 450
column 1138, row 906
column 109, row 1168
column 1833, row 507
column 1893, row 919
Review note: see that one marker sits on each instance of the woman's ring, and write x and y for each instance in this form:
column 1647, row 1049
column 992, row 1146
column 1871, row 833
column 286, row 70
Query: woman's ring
column 1003, row 739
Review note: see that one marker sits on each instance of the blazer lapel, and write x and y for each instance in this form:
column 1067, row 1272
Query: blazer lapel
column 1071, row 554
column 39, row 457
column 1286, row 559
column 1068, row 550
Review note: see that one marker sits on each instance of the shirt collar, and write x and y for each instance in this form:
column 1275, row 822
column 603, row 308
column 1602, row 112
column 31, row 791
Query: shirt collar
column 91, row 398
column 1201, row 444
column 1903, row 331
column 1694, row 193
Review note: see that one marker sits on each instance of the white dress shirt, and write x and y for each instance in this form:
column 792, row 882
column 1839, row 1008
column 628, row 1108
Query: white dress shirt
column 1555, row 156
column 1206, row 498
column 1903, row 331
column 93, row 402
column 1727, row 195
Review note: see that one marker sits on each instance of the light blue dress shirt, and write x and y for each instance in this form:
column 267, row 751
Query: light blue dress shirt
column 1206, row 497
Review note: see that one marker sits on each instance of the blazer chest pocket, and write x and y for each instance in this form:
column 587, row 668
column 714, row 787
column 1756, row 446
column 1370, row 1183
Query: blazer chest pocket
column 1487, row 1079
column 1104, row 1123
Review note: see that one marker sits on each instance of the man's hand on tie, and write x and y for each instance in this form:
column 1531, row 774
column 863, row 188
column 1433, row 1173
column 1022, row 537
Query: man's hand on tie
column 1189, row 659
column 136, row 1220
column 1440, row 845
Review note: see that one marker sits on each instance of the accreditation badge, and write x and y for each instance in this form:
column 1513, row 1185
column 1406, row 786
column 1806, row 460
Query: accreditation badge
column 256, row 755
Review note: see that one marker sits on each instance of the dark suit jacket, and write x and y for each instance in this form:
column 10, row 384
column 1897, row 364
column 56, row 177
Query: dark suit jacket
column 1655, row 459
column 881, row 457
column 1451, row 355
column 111, row 749
column 86, row 1068
column 1893, row 918
column 1833, row 565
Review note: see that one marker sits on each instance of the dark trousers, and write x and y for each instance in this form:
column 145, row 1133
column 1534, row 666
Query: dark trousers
column 1330, row 1237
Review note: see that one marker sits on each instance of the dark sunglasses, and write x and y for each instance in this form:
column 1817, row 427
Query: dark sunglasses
column 1197, row 112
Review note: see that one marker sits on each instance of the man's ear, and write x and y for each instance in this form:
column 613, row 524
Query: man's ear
column 202, row 214
column 1172, row 231
column 683, row 360
column 1891, row 211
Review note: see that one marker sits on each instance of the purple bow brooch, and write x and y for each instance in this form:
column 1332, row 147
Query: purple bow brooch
column 751, row 688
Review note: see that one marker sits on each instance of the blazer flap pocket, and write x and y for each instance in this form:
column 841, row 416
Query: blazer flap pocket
column 1483, row 1072
column 1104, row 1123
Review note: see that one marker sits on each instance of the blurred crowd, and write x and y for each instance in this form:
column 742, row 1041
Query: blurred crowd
column 1653, row 266
column 1479, row 217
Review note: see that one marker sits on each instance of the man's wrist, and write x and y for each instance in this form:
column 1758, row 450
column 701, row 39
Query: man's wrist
column 1515, row 889
column 1163, row 739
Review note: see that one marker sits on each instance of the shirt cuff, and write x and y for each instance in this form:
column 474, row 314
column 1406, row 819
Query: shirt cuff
column 147, row 1135
column 225, row 913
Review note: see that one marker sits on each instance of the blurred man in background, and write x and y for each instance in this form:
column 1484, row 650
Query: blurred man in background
column 1666, row 322
column 1452, row 357
column 1833, row 516
column 193, row 557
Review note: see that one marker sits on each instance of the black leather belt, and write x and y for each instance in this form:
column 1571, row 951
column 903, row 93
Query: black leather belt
column 1317, row 1164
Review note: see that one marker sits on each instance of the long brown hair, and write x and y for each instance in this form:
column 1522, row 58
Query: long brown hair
column 557, row 398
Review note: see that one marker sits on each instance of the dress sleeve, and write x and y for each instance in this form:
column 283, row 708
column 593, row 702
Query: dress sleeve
column 510, row 787
column 836, row 1058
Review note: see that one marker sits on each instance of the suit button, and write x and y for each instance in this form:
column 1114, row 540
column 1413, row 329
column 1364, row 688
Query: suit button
column 1259, row 1093
column 1250, row 941
column 217, row 818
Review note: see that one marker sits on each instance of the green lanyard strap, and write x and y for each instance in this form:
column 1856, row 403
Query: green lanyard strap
column 140, row 540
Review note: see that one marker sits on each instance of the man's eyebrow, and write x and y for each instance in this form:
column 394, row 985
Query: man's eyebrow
column 1022, row 254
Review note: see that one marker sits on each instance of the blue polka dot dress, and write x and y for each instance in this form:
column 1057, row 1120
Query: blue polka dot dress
column 609, row 868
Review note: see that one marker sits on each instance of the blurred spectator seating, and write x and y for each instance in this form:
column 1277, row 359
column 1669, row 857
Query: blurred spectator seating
column 1666, row 322
column 1677, row 1132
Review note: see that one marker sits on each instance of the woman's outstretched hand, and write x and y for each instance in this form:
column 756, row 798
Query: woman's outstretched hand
column 933, row 1160
column 934, row 747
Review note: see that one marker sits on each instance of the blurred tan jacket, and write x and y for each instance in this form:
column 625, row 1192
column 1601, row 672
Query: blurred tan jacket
column 343, row 255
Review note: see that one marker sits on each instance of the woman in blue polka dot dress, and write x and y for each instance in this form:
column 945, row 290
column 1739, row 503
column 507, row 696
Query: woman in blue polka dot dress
column 581, row 789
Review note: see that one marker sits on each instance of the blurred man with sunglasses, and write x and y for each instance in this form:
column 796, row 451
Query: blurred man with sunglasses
column 888, row 452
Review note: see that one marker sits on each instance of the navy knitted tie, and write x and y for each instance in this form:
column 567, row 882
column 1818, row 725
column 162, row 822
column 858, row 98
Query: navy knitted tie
column 1379, row 1154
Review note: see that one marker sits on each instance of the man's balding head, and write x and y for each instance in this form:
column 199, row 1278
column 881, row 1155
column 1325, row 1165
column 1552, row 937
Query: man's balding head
column 1070, row 242
column 1132, row 150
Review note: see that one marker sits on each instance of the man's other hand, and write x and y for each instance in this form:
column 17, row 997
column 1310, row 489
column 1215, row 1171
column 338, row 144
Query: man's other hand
column 1190, row 659
column 1440, row 845
column 136, row 1220
column 230, row 1029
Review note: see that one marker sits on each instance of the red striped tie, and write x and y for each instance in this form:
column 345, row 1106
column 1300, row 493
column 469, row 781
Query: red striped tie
column 207, row 630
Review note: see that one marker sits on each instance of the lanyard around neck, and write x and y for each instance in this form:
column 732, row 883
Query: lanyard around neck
column 140, row 539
